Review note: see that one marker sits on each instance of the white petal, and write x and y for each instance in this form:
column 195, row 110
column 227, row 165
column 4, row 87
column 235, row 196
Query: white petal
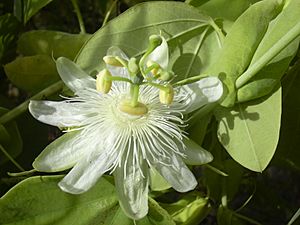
column 60, row 114
column 160, row 55
column 132, row 190
column 157, row 182
column 177, row 174
column 115, row 70
column 73, row 76
column 195, row 154
column 61, row 154
column 85, row 173
column 202, row 92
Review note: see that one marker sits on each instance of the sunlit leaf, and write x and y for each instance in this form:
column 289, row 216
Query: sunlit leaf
column 250, row 132
column 183, row 27
column 241, row 43
column 267, row 79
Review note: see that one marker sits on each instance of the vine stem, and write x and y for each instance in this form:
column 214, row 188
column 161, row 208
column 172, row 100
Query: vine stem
column 54, row 88
column 268, row 56
column 112, row 6
column 11, row 158
column 79, row 16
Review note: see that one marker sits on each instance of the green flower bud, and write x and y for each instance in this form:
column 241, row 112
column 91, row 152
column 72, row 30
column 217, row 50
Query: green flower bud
column 155, row 40
column 132, row 66
column 111, row 60
column 166, row 95
column 103, row 81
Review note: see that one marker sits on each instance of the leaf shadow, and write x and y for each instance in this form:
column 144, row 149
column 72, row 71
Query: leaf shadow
column 238, row 112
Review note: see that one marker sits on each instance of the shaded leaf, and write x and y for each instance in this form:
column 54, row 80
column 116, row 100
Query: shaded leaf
column 52, row 43
column 32, row 73
column 10, row 139
column 25, row 9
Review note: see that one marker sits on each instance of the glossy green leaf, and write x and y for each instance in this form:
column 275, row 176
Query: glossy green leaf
column 266, row 80
column 32, row 73
column 192, row 50
column 240, row 44
column 52, row 43
column 10, row 139
column 25, row 9
column 9, row 29
column 250, row 132
column 39, row 201
column 190, row 210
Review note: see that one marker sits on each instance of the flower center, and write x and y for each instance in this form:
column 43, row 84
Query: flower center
column 138, row 110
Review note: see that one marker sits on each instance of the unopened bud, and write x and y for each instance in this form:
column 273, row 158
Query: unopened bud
column 166, row 76
column 166, row 95
column 103, row 81
column 111, row 60
column 132, row 66
column 154, row 41
column 156, row 68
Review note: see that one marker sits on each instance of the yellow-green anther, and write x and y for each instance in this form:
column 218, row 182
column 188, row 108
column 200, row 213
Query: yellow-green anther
column 132, row 66
column 154, row 41
column 166, row 76
column 111, row 60
column 166, row 95
column 103, row 81
column 155, row 66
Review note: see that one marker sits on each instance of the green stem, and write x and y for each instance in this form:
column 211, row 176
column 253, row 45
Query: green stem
column 116, row 78
column 11, row 158
column 12, row 114
column 113, row 5
column 268, row 56
column 216, row 170
column 25, row 173
column 159, row 86
column 252, row 221
column 79, row 16
column 190, row 80
column 135, row 89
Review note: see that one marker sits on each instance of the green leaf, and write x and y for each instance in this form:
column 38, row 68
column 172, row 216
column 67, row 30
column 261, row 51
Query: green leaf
column 240, row 45
column 250, row 132
column 183, row 27
column 190, row 210
column 226, row 10
column 10, row 139
column 157, row 182
column 25, row 9
column 9, row 29
column 52, row 43
column 32, row 73
column 266, row 80
column 39, row 201
column 288, row 153
column 227, row 217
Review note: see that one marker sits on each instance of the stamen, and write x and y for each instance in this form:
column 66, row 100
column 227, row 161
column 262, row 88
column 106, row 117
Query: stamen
column 139, row 110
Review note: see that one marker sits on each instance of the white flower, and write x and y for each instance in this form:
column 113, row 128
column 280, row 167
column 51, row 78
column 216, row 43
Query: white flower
column 101, row 137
